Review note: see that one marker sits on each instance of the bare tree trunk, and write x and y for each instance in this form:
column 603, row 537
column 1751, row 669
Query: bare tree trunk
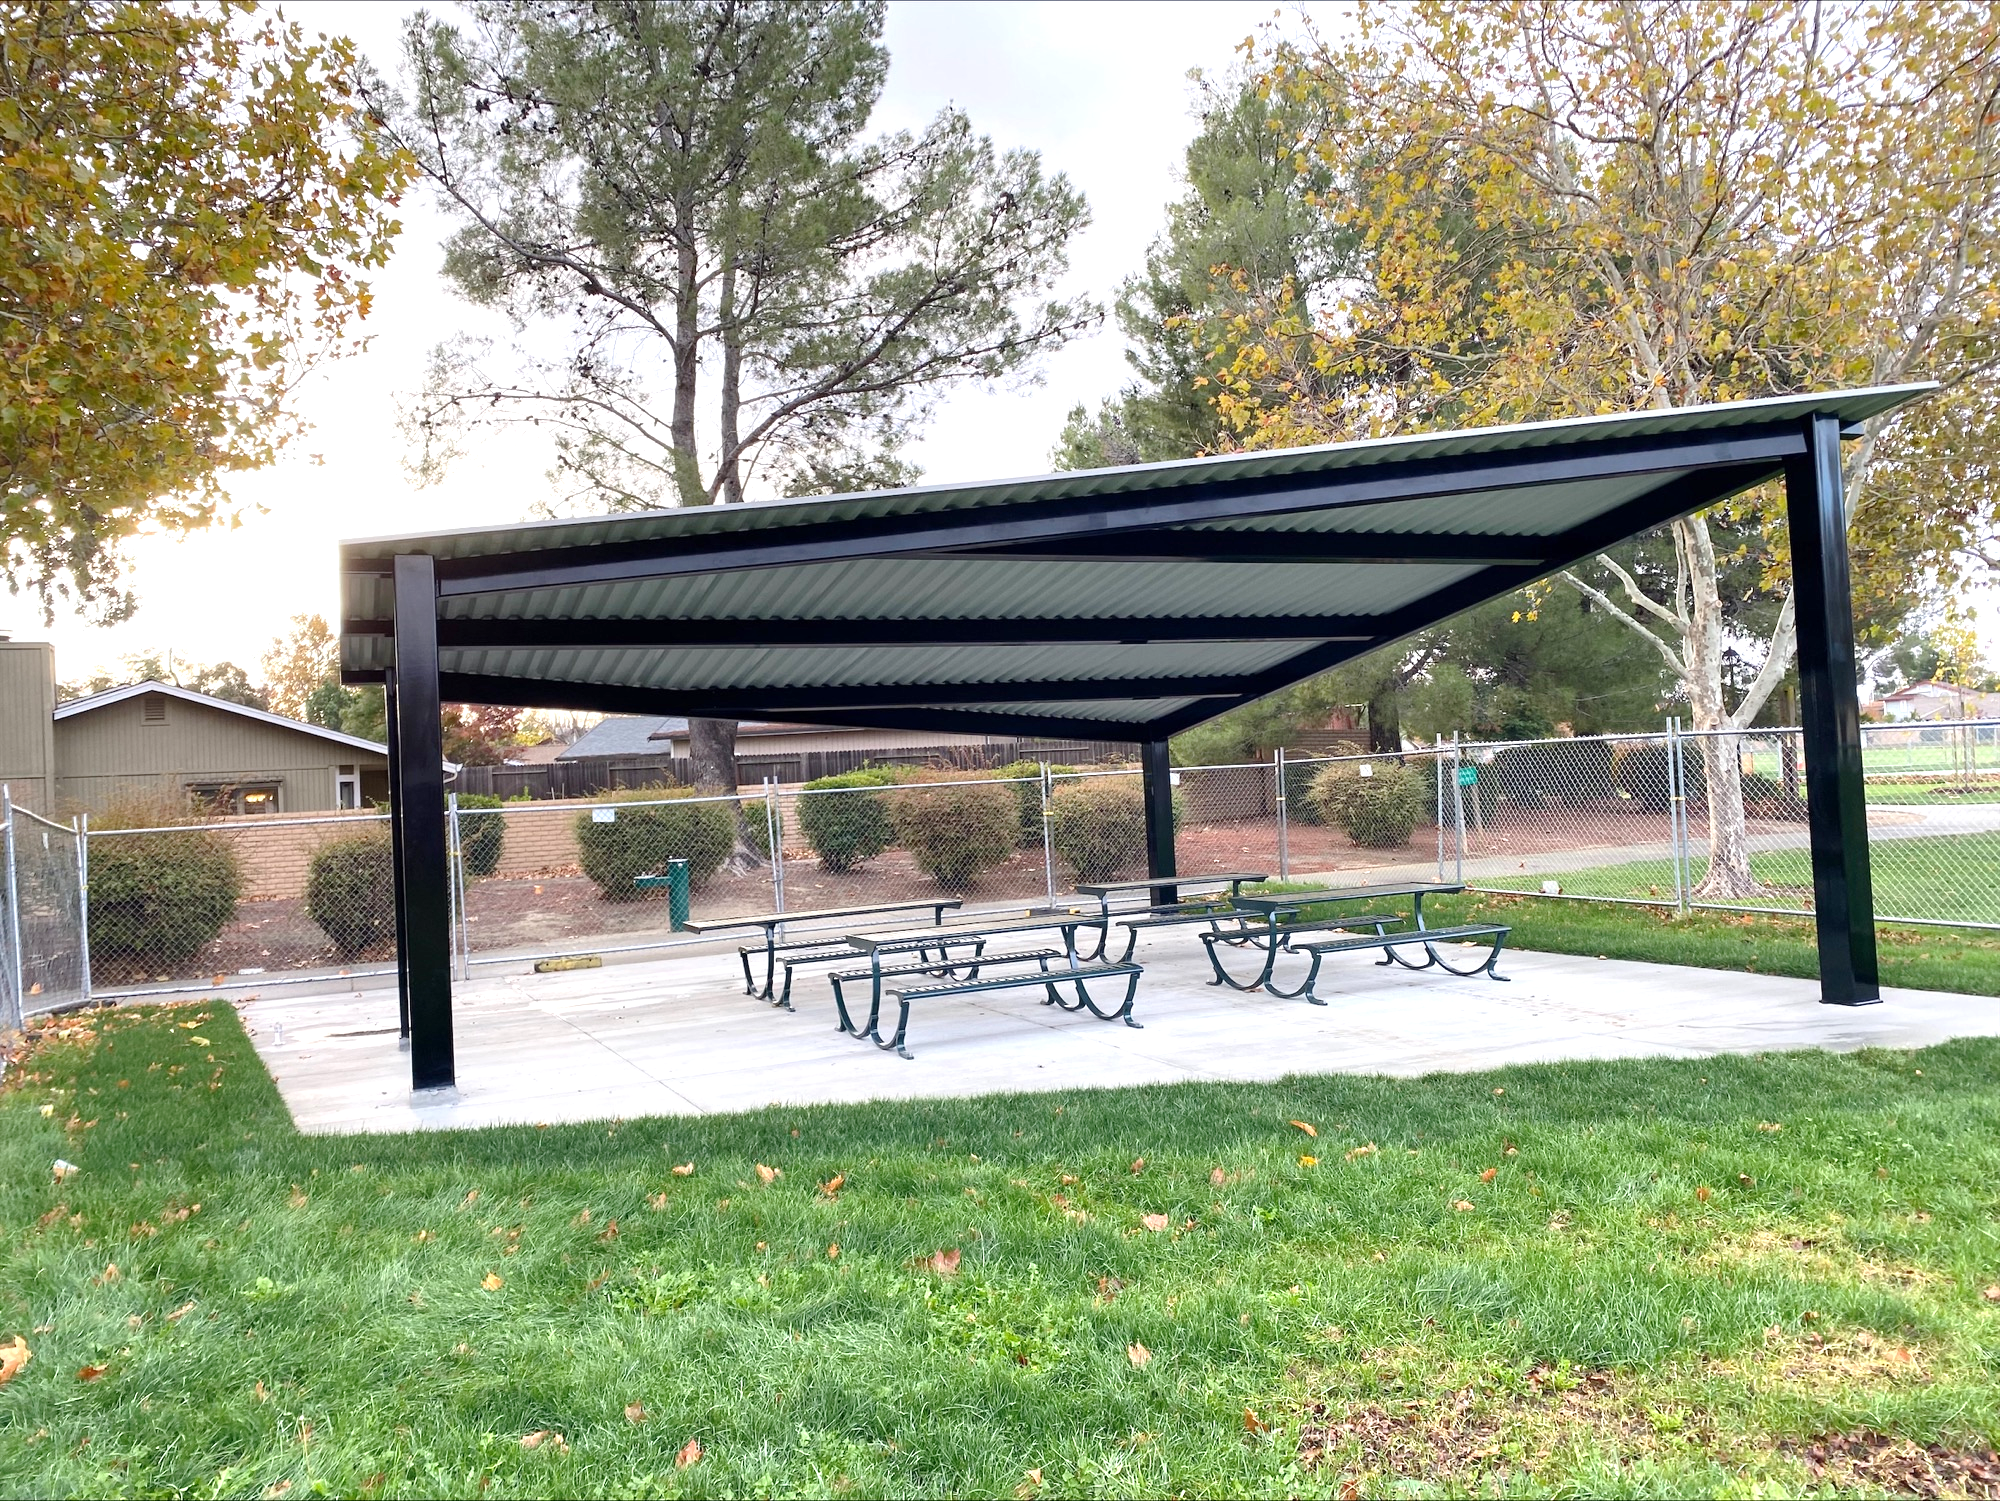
column 1729, row 877
column 687, row 368
column 712, row 745
column 732, row 390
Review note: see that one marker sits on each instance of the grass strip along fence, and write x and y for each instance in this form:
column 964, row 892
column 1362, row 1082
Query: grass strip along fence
column 1737, row 1275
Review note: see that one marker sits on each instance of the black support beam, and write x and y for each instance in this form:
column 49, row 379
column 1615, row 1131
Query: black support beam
column 1830, row 712
column 417, row 803
column 1157, row 783
column 1266, row 547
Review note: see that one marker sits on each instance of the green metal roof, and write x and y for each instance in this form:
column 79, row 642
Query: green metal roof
column 1119, row 603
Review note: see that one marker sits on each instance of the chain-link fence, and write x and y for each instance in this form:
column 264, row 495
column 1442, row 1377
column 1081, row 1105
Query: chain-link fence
column 1675, row 819
column 44, row 953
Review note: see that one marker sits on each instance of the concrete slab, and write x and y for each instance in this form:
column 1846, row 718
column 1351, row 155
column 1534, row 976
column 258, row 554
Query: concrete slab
column 676, row 1036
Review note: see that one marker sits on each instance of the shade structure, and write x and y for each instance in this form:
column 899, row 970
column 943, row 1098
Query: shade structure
column 1118, row 604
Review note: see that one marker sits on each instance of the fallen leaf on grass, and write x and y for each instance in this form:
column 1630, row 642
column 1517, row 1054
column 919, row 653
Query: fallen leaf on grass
column 1251, row 1422
column 609, row 1232
column 471, row 1198
column 690, row 1452
column 1309, row 1130
column 1702, row 1193
column 769, row 1174
column 1489, row 1175
column 546, row 1436
column 181, row 1312
column 657, row 1201
column 259, row 1393
column 1461, row 1205
column 1746, row 1180
column 493, row 1282
column 833, row 1252
column 1138, row 1354
column 12, row 1358
column 1109, row 1288
column 276, row 1489
column 1368, row 1150
column 1306, row 1159
column 1138, row 1166
column 685, row 1170
column 944, row 1263
column 1155, row 1221
column 1992, row 1293
column 1030, row 1485
column 1771, row 1127
column 423, row 1237
column 297, row 1199
column 832, row 1185
column 91, row 1372
column 1350, row 1490
column 635, row 1412
column 1217, row 1177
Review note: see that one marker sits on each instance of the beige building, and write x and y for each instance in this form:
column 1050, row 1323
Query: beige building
column 158, row 740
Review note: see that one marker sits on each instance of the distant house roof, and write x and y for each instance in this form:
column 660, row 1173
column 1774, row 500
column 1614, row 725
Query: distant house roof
column 1931, row 688
column 623, row 735
column 110, row 696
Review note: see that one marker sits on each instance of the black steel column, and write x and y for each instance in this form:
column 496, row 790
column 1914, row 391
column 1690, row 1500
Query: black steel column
column 1830, row 711
column 396, row 853
column 418, row 796
column 1158, row 775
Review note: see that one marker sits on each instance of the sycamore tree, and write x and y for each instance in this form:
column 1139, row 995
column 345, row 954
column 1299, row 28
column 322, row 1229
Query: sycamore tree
column 189, row 202
column 721, row 283
column 1588, row 208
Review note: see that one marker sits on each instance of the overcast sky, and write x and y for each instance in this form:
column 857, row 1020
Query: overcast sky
column 1101, row 90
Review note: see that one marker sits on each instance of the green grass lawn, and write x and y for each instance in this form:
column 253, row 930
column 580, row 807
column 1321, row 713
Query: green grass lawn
column 1656, row 1278
column 1945, row 877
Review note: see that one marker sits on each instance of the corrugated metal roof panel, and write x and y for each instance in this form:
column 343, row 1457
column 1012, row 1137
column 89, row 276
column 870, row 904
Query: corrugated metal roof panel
column 1849, row 406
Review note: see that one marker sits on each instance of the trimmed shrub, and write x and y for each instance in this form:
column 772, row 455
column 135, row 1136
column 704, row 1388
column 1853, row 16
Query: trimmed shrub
column 1565, row 773
column 1765, row 797
column 1379, row 810
column 1640, row 769
column 1099, row 826
column 1300, row 806
column 650, row 826
column 956, row 826
column 481, row 836
column 351, row 892
column 163, row 897
column 845, row 825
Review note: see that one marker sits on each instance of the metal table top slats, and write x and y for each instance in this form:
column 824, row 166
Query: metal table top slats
column 817, row 914
column 1289, row 900
column 1227, row 878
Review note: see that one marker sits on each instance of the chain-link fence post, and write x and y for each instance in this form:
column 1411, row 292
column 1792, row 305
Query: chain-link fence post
column 1284, row 834
column 83, row 899
column 1048, row 834
column 11, row 996
column 1458, row 803
column 774, row 832
column 1677, row 823
column 454, row 854
column 1437, row 776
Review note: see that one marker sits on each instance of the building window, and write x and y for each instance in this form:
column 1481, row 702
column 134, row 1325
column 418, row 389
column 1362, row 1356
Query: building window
column 234, row 797
column 153, row 708
column 346, row 787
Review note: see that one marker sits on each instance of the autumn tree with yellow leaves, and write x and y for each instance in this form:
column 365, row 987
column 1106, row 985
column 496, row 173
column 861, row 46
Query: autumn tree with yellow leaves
column 1573, row 209
column 189, row 201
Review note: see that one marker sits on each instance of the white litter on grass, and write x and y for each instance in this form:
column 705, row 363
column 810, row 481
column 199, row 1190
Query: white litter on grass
column 63, row 1169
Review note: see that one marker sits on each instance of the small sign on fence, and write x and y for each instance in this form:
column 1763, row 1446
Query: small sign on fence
column 604, row 815
column 1468, row 776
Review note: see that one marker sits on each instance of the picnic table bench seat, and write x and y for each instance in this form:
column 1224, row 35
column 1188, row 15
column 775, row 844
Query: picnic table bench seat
column 1319, row 948
column 902, row 995
column 790, row 956
column 828, row 948
column 948, row 969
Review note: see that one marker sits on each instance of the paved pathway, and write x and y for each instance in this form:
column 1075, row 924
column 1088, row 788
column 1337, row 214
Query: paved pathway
column 675, row 1037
